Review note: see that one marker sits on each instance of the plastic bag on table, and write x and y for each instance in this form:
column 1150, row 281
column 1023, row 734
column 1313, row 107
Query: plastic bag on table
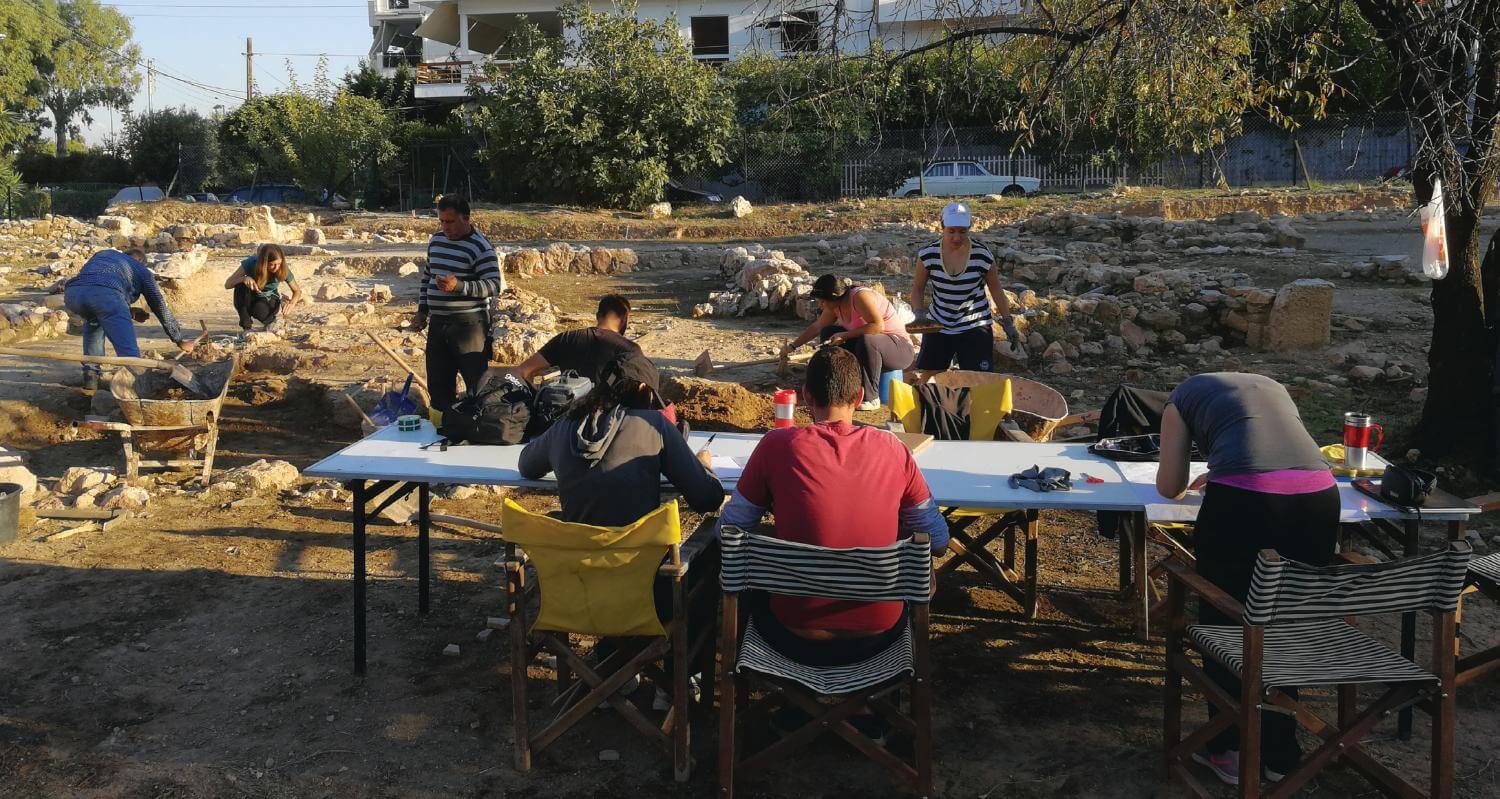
column 1434, row 235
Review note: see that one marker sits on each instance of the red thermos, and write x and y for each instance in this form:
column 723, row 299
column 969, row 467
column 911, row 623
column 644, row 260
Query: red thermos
column 1357, row 444
column 786, row 407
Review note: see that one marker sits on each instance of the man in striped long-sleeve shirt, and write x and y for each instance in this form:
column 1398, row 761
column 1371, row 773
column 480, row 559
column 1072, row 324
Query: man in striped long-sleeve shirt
column 462, row 275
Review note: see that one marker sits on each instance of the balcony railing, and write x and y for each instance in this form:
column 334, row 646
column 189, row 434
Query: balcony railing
column 450, row 73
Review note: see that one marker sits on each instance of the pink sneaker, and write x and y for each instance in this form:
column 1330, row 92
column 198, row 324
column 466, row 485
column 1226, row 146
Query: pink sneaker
column 1225, row 766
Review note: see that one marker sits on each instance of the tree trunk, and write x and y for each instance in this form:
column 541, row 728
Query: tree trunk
column 1457, row 418
column 60, row 124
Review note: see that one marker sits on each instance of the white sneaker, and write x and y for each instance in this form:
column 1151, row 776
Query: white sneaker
column 869, row 405
column 663, row 700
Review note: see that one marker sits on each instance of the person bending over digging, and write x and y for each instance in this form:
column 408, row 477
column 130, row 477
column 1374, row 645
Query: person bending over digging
column 865, row 323
column 257, row 287
column 102, row 295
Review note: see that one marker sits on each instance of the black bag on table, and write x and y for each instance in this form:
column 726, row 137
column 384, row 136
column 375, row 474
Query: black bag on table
column 553, row 398
column 498, row 413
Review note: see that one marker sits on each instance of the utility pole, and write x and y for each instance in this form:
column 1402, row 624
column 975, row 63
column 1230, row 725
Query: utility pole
column 150, row 84
column 249, row 69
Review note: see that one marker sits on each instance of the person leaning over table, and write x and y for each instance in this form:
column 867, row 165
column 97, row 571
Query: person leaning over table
column 865, row 323
column 585, row 350
column 257, row 288
column 1267, row 487
column 959, row 269
column 609, row 454
column 102, row 295
column 461, row 276
column 840, row 485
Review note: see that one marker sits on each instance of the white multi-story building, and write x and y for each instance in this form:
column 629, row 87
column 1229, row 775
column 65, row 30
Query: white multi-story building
column 448, row 40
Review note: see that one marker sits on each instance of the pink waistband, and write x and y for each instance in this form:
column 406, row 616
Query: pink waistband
column 1282, row 481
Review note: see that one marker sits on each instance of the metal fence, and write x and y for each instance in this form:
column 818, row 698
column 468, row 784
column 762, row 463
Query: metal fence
column 1333, row 150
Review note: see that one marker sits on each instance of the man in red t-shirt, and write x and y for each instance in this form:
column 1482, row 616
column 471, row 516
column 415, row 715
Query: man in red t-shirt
column 838, row 485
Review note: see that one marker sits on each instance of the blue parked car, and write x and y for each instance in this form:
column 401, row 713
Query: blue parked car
column 268, row 193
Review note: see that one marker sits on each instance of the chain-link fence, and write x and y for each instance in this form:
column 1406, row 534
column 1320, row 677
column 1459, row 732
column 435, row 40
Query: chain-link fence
column 1332, row 150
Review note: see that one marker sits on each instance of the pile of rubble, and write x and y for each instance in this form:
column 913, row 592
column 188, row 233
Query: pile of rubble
column 561, row 257
column 25, row 321
column 523, row 322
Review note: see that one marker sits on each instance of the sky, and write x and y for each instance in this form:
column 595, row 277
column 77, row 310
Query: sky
column 204, row 41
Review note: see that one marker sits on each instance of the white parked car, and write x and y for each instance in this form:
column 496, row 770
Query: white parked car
column 137, row 194
column 962, row 178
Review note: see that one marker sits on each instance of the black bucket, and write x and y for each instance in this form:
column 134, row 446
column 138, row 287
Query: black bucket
column 10, row 511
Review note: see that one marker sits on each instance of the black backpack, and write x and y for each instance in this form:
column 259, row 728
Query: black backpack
column 554, row 398
column 498, row 413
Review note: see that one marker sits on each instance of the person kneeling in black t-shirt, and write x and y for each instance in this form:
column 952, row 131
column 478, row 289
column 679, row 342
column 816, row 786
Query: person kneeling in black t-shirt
column 584, row 351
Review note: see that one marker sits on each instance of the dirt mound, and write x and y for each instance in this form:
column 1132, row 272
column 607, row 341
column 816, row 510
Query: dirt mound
column 1270, row 203
column 712, row 405
column 171, row 212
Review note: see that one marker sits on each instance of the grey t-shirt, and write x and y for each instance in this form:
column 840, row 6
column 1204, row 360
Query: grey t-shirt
column 615, row 478
column 1245, row 423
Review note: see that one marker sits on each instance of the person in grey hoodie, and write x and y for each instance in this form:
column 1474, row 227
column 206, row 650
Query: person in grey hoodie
column 610, row 451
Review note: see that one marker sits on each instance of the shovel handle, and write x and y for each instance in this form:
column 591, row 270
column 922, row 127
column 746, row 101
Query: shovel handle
column 142, row 363
column 397, row 358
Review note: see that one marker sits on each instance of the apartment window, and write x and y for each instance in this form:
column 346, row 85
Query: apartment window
column 800, row 37
column 710, row 37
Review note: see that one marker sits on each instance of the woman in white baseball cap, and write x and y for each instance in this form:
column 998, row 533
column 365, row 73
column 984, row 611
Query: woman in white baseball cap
column 959, row 269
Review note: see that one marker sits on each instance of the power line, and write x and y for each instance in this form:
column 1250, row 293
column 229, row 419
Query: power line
column 361, row 6
column 134, row 15
column 81, row 39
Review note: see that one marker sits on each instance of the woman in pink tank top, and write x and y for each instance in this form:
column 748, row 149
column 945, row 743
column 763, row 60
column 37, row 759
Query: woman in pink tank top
column 862, row 321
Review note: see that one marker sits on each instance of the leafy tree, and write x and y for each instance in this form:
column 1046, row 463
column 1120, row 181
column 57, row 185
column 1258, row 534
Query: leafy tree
column 21, row 29
column 84, row 61
column 1445, row 67
column 607, row 114
column 173, row 142
column 38, row 164
column 808, row 113
column 319, row 138
column 397, row 94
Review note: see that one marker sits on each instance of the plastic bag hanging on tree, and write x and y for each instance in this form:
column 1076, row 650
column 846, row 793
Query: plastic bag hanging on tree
column 1434, row 235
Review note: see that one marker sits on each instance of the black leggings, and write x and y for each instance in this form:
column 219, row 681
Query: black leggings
column 1234, row 525
column 253, row 306
column 877, row 353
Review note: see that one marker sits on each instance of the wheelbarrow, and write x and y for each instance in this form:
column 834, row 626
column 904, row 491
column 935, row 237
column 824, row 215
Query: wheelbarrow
column 166, row 433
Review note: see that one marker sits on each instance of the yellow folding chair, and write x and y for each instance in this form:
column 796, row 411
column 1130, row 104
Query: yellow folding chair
column 989, row 405
column 597, row 581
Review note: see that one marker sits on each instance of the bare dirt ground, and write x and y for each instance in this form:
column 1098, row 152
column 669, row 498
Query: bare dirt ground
column 202, row 647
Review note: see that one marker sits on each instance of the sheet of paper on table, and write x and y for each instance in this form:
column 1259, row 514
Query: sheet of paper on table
column 725, row 466
column 1145, row 471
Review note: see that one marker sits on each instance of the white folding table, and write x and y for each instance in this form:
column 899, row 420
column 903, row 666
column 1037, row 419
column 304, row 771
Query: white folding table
column 390, row 464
